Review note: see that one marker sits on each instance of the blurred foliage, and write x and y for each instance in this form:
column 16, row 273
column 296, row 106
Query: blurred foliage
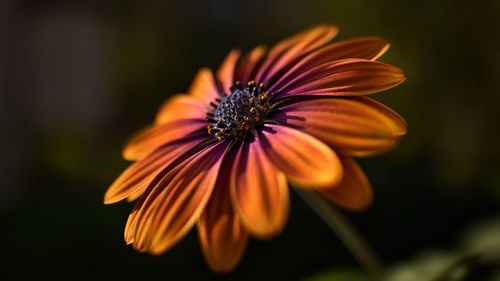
column 479, row 250
column 483, row 239
column 433, row 266
column 339, row 275
column 476, row 258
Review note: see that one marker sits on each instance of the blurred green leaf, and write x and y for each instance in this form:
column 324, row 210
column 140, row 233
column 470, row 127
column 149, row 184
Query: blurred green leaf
column 339, row 275
column 495, row 277
column 480, row 245
column 432, row 265
column 483, row 239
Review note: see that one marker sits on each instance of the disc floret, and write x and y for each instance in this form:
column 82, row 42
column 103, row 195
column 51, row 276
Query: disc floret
column 239, row 113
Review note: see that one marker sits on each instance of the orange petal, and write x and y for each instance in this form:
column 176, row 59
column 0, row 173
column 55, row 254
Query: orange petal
column 222, row 237
column 354, row 192
column 203, row 87
column 304, row 159
column 149, row 139
column 180, row 106
column 356, row 125
column 349, row 77
column 131, row 226
column 134, row 180
column 225, row 73
column 369, row 48
column 248, row 63
column 259, row 192
column 175, row 201
column 139, row 191
column 285, row 52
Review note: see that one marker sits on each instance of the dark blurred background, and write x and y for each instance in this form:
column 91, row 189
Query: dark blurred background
column 78, row 77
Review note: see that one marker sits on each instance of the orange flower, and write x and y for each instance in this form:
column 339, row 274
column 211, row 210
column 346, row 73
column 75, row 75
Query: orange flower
column 220, row 156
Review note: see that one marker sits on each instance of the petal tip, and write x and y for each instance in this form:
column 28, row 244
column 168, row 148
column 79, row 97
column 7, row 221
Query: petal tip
column 331, row 29
column 108, row 200
column 129, row 155
column 355, row 209
column 354, row 192
column 403, row 128
column 385, row 46
column 400, row 74
column 111, row 196
column 396, row 76
column 260, row 48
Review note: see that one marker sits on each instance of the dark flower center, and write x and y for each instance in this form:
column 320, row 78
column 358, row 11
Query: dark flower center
column 238, row 114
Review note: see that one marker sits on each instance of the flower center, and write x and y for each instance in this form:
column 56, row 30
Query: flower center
column 237, row 115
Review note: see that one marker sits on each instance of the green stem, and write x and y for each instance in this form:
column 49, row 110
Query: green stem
column 344, row 230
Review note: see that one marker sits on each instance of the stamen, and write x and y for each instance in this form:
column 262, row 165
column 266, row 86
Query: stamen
column 238, row 114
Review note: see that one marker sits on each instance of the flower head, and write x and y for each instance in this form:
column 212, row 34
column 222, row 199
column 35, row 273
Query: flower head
column 221, row 155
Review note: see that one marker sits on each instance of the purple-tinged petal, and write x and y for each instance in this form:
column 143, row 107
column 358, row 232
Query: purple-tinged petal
column 354, row 192
column 288, row 50
column 358, row 126
column 222, row 236
column 175, row 201
column 150, row 138
column 225, row 73
column 349, row 77
column 259, row 192
column 203, row 87
column 247, row 64
column 134, row 180
column 369, row 48
column 304, row 159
